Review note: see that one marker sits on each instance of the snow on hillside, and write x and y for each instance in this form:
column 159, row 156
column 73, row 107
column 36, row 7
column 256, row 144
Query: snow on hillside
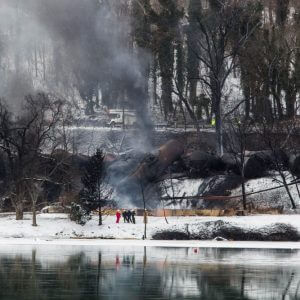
column 269, row 199
column 274, row 198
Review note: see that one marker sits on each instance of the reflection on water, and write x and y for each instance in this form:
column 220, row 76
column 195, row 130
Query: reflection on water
column 64, row 272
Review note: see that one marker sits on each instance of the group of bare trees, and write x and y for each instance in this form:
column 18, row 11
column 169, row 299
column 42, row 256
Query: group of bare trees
column 198, row 47
column 278, row 159
column 28, row 139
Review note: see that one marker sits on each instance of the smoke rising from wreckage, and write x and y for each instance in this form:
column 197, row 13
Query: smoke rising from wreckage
column 124, row 56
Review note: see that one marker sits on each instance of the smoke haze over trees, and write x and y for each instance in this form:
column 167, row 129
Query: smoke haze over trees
column 130, row 53
column 70, row 47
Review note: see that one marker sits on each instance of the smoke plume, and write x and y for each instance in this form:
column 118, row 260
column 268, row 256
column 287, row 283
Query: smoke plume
column 58, row 44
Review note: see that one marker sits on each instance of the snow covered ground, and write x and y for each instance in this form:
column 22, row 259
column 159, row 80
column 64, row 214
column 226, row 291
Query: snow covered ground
column 58, row 227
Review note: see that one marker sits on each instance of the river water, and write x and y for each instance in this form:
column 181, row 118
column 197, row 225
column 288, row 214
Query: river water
column 129, row 272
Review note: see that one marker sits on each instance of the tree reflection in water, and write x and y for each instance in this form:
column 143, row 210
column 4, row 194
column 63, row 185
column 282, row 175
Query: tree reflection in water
column 145, row 275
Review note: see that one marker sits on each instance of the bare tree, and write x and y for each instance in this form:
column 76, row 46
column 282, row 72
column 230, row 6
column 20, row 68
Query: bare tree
column 145, row 214
column 217, row 47
column 276, row 137
column 23, row 139
column 34, row 189
column 237, row 130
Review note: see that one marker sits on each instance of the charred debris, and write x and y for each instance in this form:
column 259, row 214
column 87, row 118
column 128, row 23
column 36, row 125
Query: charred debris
column 219, row 175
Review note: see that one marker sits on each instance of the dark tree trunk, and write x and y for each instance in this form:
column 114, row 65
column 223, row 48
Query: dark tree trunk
column 167, row 96
column 267, row 106
column 219, row 133
column 216, row 94
column 278, row 104
column 290, row 104
column 194, row 10
column 145, row 212
column 97, row 97
column 166, row 61
column 193, row 92
column 100, row 215
column 244, row 193
column 180, row 67
column 154, row 81
column 19, row 211
column 247, row 102
column 34, row 223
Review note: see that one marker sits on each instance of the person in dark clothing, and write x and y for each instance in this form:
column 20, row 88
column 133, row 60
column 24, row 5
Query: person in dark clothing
column 124, row 216
column 128, row 216
column 133, row 216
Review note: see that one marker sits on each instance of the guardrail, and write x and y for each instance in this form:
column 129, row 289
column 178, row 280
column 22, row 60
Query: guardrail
column 202, row 125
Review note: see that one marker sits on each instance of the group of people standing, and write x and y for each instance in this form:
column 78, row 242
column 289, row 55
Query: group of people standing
column 128, row 216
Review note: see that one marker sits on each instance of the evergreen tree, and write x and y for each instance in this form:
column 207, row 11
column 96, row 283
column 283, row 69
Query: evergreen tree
column 95, row 193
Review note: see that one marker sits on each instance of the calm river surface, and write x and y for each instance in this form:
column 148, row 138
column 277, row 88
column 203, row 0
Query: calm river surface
column 97, row 272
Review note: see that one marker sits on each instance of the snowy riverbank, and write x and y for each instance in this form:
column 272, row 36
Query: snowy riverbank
column 59, row 227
